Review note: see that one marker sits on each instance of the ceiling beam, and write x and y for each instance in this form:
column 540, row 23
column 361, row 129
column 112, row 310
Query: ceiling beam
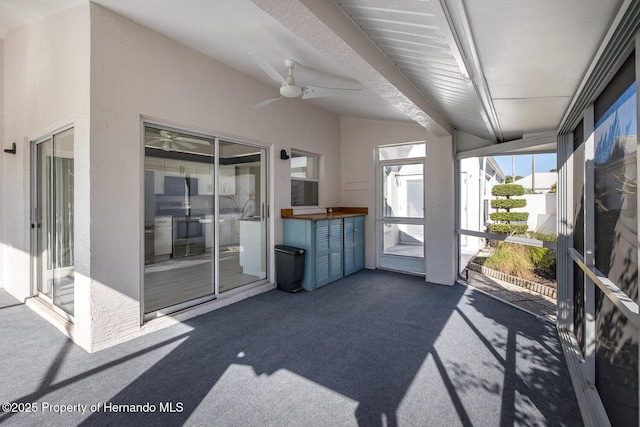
column 461, row 41
column 539, row 143
column 326, row 28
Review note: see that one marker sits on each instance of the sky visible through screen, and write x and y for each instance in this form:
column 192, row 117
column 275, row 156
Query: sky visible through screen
column 543, row 162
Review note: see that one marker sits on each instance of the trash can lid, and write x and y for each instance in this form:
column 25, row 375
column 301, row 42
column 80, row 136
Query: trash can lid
column 292, row 250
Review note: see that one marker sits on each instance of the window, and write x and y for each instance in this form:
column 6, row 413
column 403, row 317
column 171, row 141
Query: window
column 304, row 179
column 615, row 227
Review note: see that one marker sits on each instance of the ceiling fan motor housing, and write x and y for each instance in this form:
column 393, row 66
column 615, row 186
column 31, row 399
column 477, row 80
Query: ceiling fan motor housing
column 290, row 91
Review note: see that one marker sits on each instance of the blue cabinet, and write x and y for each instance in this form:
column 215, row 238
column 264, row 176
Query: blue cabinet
column 334, row 247
column 353, row 244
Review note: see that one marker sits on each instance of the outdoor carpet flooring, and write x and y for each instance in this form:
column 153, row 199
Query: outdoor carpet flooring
column 374, row 349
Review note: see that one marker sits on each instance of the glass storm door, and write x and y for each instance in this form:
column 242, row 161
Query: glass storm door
column 54, row 220
column 401, row 214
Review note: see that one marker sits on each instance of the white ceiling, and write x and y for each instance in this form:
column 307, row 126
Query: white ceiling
column 497, row 69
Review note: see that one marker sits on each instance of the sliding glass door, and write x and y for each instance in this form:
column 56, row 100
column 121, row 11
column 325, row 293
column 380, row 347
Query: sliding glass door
column 205, row 218
column 53, row 219
column 242, row 215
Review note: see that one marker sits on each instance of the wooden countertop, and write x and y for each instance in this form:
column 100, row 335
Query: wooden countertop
column 337, row 213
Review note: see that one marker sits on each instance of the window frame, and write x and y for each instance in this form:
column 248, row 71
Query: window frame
column 297, row 179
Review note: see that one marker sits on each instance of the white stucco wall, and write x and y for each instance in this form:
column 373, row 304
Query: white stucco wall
column 542, row 212
column 359, row 141
column 2, row 157
column 138, row 74
column 46, row 83
column 103, row 74
column 440, row 212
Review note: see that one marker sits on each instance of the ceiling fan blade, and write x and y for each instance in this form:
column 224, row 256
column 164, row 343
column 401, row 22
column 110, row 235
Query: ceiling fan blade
column 158, row 140
column 185, row 144
column 317, row 92
column 192, row 140
column 267, row 102
column 268, row 69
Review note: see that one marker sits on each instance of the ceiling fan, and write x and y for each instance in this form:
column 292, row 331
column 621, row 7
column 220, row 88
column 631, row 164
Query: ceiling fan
column 288, row 87
column 170, row 141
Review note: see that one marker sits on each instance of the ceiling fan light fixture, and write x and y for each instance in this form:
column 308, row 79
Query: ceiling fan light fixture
column 290, row 91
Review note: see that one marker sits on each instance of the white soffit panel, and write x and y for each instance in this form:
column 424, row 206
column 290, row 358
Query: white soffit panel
column 534, row 55
column 415, row 36
column 540, row 114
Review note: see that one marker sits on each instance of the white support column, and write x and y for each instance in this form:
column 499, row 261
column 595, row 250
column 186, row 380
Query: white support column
column 569, row 229
column 565, row 231
column 216, row 216
column 457, row 202
column 589, row 245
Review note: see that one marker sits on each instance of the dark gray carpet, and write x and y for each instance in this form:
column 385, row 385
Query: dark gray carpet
column 374, row 349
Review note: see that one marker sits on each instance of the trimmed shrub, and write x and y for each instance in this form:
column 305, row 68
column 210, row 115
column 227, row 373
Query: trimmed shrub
column 505, row 226
column 545, row 237
column 509, row 216
column 507, row 190
column 508, row 203
column 508, row 228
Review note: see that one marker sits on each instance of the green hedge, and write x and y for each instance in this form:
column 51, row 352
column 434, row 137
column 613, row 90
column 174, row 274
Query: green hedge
column 509, row 216
column 507, row 190
column 508, row 228
column 508, row 203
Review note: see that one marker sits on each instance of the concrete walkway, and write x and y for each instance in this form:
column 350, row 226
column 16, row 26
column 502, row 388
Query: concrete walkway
column 518, row 296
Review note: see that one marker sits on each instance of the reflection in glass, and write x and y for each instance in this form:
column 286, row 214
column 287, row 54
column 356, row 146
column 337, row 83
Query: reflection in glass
column 615, row 192
column 179, row 211
column 242, row 223
column 180, row 218
column 304, row 179
column 616, row 255
column 55, row 219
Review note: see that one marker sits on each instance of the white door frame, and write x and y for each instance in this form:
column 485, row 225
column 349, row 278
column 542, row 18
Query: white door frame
column 398, row 262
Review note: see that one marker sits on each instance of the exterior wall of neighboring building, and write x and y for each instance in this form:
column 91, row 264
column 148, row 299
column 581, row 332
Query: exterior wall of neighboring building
column 478, row 176
column 542, row 212
column 543, row 182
